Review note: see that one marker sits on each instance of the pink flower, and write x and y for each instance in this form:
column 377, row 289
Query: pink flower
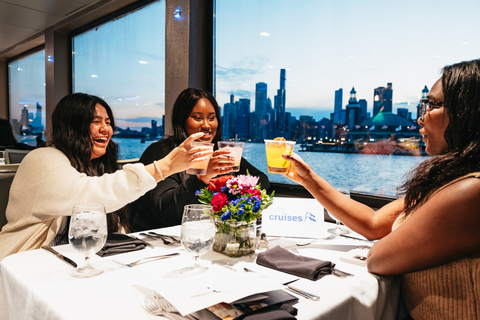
column 233, row 186
column 247, row 181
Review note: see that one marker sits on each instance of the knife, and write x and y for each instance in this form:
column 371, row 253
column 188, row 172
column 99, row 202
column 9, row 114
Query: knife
column 302, row 293
column 60, row 256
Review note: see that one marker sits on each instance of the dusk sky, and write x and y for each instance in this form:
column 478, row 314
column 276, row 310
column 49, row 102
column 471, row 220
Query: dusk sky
column 327, row 45
column 323, row 44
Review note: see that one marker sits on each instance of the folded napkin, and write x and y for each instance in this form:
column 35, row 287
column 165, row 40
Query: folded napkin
column 283, row 260
column 120, row 243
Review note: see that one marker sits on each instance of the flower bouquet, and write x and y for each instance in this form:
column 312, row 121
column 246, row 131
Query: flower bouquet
column 237, row 201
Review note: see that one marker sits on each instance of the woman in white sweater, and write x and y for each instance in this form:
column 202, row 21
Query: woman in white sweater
column 80, row 166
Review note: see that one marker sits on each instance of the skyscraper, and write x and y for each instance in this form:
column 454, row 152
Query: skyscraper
column 242, row 118
column 261, row 111
column 279, row 106
column 337, row 110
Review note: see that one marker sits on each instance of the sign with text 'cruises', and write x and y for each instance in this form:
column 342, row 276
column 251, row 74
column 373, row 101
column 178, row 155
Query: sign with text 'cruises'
column 293, row 217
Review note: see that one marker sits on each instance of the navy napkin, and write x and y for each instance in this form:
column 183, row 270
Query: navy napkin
column 283, row 260
column 120, row 243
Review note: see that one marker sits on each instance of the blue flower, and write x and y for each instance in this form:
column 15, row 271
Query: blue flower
column 240, row 211
column 226, row 215
column 198, row 192
column 256, row 206
column 225, row 189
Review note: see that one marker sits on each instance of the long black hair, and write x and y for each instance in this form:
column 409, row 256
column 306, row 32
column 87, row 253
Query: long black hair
column 71, row 121
column 182, row 108
column 461, row 90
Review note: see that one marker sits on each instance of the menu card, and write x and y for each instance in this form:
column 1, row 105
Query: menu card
column 193, row 292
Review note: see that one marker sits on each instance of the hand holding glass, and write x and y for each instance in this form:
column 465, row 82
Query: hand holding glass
column 87, row 233
column 236, row 150
column 198, row 231
column 339, row 230
column 200, row 168
column 274, row 150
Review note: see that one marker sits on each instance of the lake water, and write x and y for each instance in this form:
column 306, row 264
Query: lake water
column 376, row 174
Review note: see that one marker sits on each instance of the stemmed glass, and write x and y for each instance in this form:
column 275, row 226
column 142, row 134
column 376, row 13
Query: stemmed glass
column 198, row 232
column 339, row 230
column 87, row 233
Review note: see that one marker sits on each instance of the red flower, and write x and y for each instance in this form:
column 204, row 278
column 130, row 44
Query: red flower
column 254, row 192
column 216, row 185
column 218, row 201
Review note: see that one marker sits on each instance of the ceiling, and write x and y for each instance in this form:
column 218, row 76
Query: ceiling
column 22, row 19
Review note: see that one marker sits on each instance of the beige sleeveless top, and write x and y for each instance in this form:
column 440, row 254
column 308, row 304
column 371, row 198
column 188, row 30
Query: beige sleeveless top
column 450, row 291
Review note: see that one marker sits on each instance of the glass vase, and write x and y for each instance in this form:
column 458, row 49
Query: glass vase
column 235, row 238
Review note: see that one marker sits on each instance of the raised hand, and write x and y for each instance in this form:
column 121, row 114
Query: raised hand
column 298, row 171
column 220, row 163
column 184, row 156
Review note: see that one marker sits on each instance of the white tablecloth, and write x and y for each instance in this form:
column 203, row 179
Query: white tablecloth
column 36, row 284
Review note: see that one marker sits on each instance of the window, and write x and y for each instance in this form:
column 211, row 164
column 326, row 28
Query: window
column 27, row 96
column 342, row 77
column 123, row 62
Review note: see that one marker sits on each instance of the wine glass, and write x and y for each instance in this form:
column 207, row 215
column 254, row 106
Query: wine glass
column 339, row 230
column 198, row 232
column 87, row 233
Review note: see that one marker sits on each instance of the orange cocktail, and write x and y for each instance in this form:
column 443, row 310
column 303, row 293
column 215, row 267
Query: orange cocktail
column 275, row 149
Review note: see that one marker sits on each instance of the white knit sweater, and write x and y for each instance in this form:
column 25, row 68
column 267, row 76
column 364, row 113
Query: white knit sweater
column 45, row 189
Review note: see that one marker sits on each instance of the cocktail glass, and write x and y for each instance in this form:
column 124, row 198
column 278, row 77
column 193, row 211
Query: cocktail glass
column 236, row 150
column 274, row 150
column 200, row 168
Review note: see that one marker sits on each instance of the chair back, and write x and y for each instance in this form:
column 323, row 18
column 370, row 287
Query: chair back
column 14, row 155
column 6, row 179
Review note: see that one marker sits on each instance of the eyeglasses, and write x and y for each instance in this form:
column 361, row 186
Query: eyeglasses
column 427, row 105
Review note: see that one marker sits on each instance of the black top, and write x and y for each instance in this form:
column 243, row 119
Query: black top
column 163, row 205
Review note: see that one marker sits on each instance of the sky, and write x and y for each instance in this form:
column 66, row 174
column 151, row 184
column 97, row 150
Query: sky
column 327, row 45
column 324, row 45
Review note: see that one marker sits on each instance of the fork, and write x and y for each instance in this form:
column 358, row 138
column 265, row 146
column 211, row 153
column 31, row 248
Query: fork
column 147, row 259
column 335, row 271
column 156, row 307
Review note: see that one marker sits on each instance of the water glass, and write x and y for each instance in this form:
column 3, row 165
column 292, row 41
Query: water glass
column 338, row 230
column 236, row 150
column 274, row 150
column 87, row 234
column 197, row 231
column 200, row 168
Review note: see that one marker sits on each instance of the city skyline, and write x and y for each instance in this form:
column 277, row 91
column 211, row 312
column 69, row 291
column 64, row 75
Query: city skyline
column 322, row 45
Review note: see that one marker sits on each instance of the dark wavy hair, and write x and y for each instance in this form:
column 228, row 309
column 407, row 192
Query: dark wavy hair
column 71, row 121
column 461, row 90
column 182, row 108
column 6, row 133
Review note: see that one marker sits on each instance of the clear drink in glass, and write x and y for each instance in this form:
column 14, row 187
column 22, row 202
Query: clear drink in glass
column 236, row 150
column 87, row 234
column 200, row 168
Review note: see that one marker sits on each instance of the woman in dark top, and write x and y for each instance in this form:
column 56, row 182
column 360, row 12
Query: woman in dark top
column 195, row 110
